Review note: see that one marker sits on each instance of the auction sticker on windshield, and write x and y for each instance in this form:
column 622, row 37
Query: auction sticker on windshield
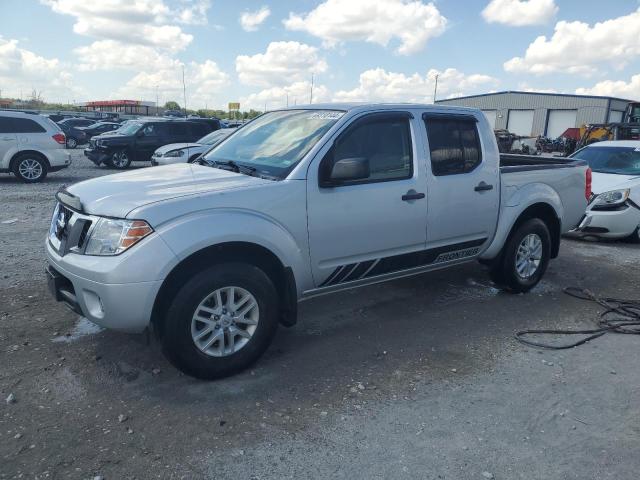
column 325, row 115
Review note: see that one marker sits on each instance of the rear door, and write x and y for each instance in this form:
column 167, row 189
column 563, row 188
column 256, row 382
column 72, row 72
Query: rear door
column 30, row 134
column 371, row 226
column 463, row 183
column 8, row 140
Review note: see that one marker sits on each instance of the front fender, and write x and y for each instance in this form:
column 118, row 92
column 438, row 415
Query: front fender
column 514, row 202
column 194, row 232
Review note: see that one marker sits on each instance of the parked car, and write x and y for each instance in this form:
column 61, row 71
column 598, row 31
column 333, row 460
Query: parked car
column 99, row 128
column 188, row 152
column 137, row 140
column 77, row 122
column 614, row 209
column 31, row 146
column 75, row 135
column 302, row 202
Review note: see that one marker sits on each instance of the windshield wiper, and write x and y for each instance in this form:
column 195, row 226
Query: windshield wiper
column 235, row 167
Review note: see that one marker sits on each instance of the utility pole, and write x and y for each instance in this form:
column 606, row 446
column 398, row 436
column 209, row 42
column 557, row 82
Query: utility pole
column 157, row 101
column 311, row 92
column 435, row 89
column 287, row 99
column 184, row 92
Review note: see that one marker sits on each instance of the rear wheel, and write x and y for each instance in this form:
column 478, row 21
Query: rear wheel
column 30, row 168
column 524, row 258
column 72, row 142
column 221, row 321
column 120, row 160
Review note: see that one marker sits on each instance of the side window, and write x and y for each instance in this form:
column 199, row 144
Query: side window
column 176, row 129
column 149, row 130
column 5, row 126
column 454, row 145
column 384, row 141
column 25, row 125
column 200, row 129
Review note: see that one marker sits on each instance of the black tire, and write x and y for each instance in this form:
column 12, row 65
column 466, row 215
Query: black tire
column 635, row 236
column 120, row 160
column 72, row 143
column 30, row 168
column 177, row 340
column 503, row 271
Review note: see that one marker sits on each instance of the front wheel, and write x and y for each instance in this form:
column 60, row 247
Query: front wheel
column 524, row 258
column 221, row 321
column 120, row 160
column 30, row 168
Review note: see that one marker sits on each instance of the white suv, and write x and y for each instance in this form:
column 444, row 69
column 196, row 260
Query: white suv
column 31, row 146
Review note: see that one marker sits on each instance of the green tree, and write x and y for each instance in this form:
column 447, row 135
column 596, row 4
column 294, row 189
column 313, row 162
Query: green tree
column 171, row 105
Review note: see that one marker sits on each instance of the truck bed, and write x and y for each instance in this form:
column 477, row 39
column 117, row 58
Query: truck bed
column 510, row 162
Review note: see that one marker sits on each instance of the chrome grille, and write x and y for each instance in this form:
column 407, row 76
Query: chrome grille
column 69, row 230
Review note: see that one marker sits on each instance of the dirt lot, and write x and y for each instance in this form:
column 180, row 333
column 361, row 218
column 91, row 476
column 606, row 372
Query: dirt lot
column 418, row 378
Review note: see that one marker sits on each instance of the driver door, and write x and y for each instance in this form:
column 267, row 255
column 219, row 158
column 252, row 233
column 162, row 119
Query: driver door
column 373, row 225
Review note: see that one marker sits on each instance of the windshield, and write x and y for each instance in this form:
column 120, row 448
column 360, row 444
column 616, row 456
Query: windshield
column 276, row 141
column 214, row 137
column 130, row 128
column 617, row 160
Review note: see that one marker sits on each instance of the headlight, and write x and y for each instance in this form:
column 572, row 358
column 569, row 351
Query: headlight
column 111, row 236
column 614, row 197
column 174, row 153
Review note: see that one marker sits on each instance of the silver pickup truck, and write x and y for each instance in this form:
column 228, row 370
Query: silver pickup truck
column 302, row 202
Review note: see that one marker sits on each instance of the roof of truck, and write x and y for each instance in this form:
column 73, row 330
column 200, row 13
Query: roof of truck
column 349, row 106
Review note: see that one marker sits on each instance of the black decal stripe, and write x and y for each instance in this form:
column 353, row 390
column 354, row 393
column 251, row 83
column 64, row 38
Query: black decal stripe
column 346, row 270
column 330, row 277
column 360, row 270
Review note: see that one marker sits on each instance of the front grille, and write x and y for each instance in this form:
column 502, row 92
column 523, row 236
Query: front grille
column 69, row 230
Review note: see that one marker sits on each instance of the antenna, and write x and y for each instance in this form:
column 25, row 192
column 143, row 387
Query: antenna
column 184, row 92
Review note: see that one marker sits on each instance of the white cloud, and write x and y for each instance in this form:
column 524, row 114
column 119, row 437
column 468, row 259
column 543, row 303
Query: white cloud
column 281, row 64
column 276, row 97
column 525, row 87
column 250, row 21
column 194, row 13
column 24, row 70
column 615, row 88
column 111, row 55
column 518, row 13
column 577, row 47
column 382, row 86
column 204, row 84
column 412, row 22
column 140, row 22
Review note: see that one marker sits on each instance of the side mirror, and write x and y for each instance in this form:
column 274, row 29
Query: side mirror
column 347, row 170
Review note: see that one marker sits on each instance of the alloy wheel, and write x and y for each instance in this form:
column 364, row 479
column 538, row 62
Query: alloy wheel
column 529, row 256
column 225, row 321
column 30, row 169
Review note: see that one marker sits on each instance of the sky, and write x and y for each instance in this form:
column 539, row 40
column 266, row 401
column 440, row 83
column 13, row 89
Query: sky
column 264, row 53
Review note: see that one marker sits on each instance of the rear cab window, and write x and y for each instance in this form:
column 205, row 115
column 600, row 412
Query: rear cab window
column 454, row 143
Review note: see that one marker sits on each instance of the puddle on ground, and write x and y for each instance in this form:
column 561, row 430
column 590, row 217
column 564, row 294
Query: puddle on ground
column 82, row 328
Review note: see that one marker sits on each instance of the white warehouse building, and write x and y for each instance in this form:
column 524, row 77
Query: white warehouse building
column 548, row 114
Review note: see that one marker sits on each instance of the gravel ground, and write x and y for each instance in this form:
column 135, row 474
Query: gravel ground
column 417, row 378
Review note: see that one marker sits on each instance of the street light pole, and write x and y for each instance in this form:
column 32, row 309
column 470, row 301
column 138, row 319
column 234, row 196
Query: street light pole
column 435, row 89
column 311, row 92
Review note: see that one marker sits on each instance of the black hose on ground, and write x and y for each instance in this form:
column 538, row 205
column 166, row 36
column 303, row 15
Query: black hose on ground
column 619, row 316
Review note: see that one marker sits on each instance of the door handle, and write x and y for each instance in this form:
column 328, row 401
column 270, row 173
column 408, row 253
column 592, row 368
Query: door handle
column 482, row 187
column 412, row 195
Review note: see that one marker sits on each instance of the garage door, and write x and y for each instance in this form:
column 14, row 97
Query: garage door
column 520, row 122
column 559, row 121
column 615, row 116
column 491, row 116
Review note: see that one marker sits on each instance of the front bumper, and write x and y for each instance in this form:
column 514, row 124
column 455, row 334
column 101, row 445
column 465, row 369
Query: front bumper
column 613, row 223
column 95, row 287
column 96, row 156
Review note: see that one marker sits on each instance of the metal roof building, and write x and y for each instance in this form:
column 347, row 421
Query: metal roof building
column 549, row 114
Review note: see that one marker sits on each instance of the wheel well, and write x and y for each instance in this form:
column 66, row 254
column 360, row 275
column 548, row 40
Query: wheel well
column 32, row 152
column 281, row 276
column 547, row 214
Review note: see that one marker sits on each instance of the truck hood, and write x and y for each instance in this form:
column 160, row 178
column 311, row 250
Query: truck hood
column 605, row 182
column 117, row 195
column 176, row 146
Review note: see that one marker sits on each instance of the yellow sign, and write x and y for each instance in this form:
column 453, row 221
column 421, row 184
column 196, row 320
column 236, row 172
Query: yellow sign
column 234, row 106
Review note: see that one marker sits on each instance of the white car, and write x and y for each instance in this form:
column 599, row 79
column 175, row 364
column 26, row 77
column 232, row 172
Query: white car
column 188, row 152
column 614, row 209
column 31, row 146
